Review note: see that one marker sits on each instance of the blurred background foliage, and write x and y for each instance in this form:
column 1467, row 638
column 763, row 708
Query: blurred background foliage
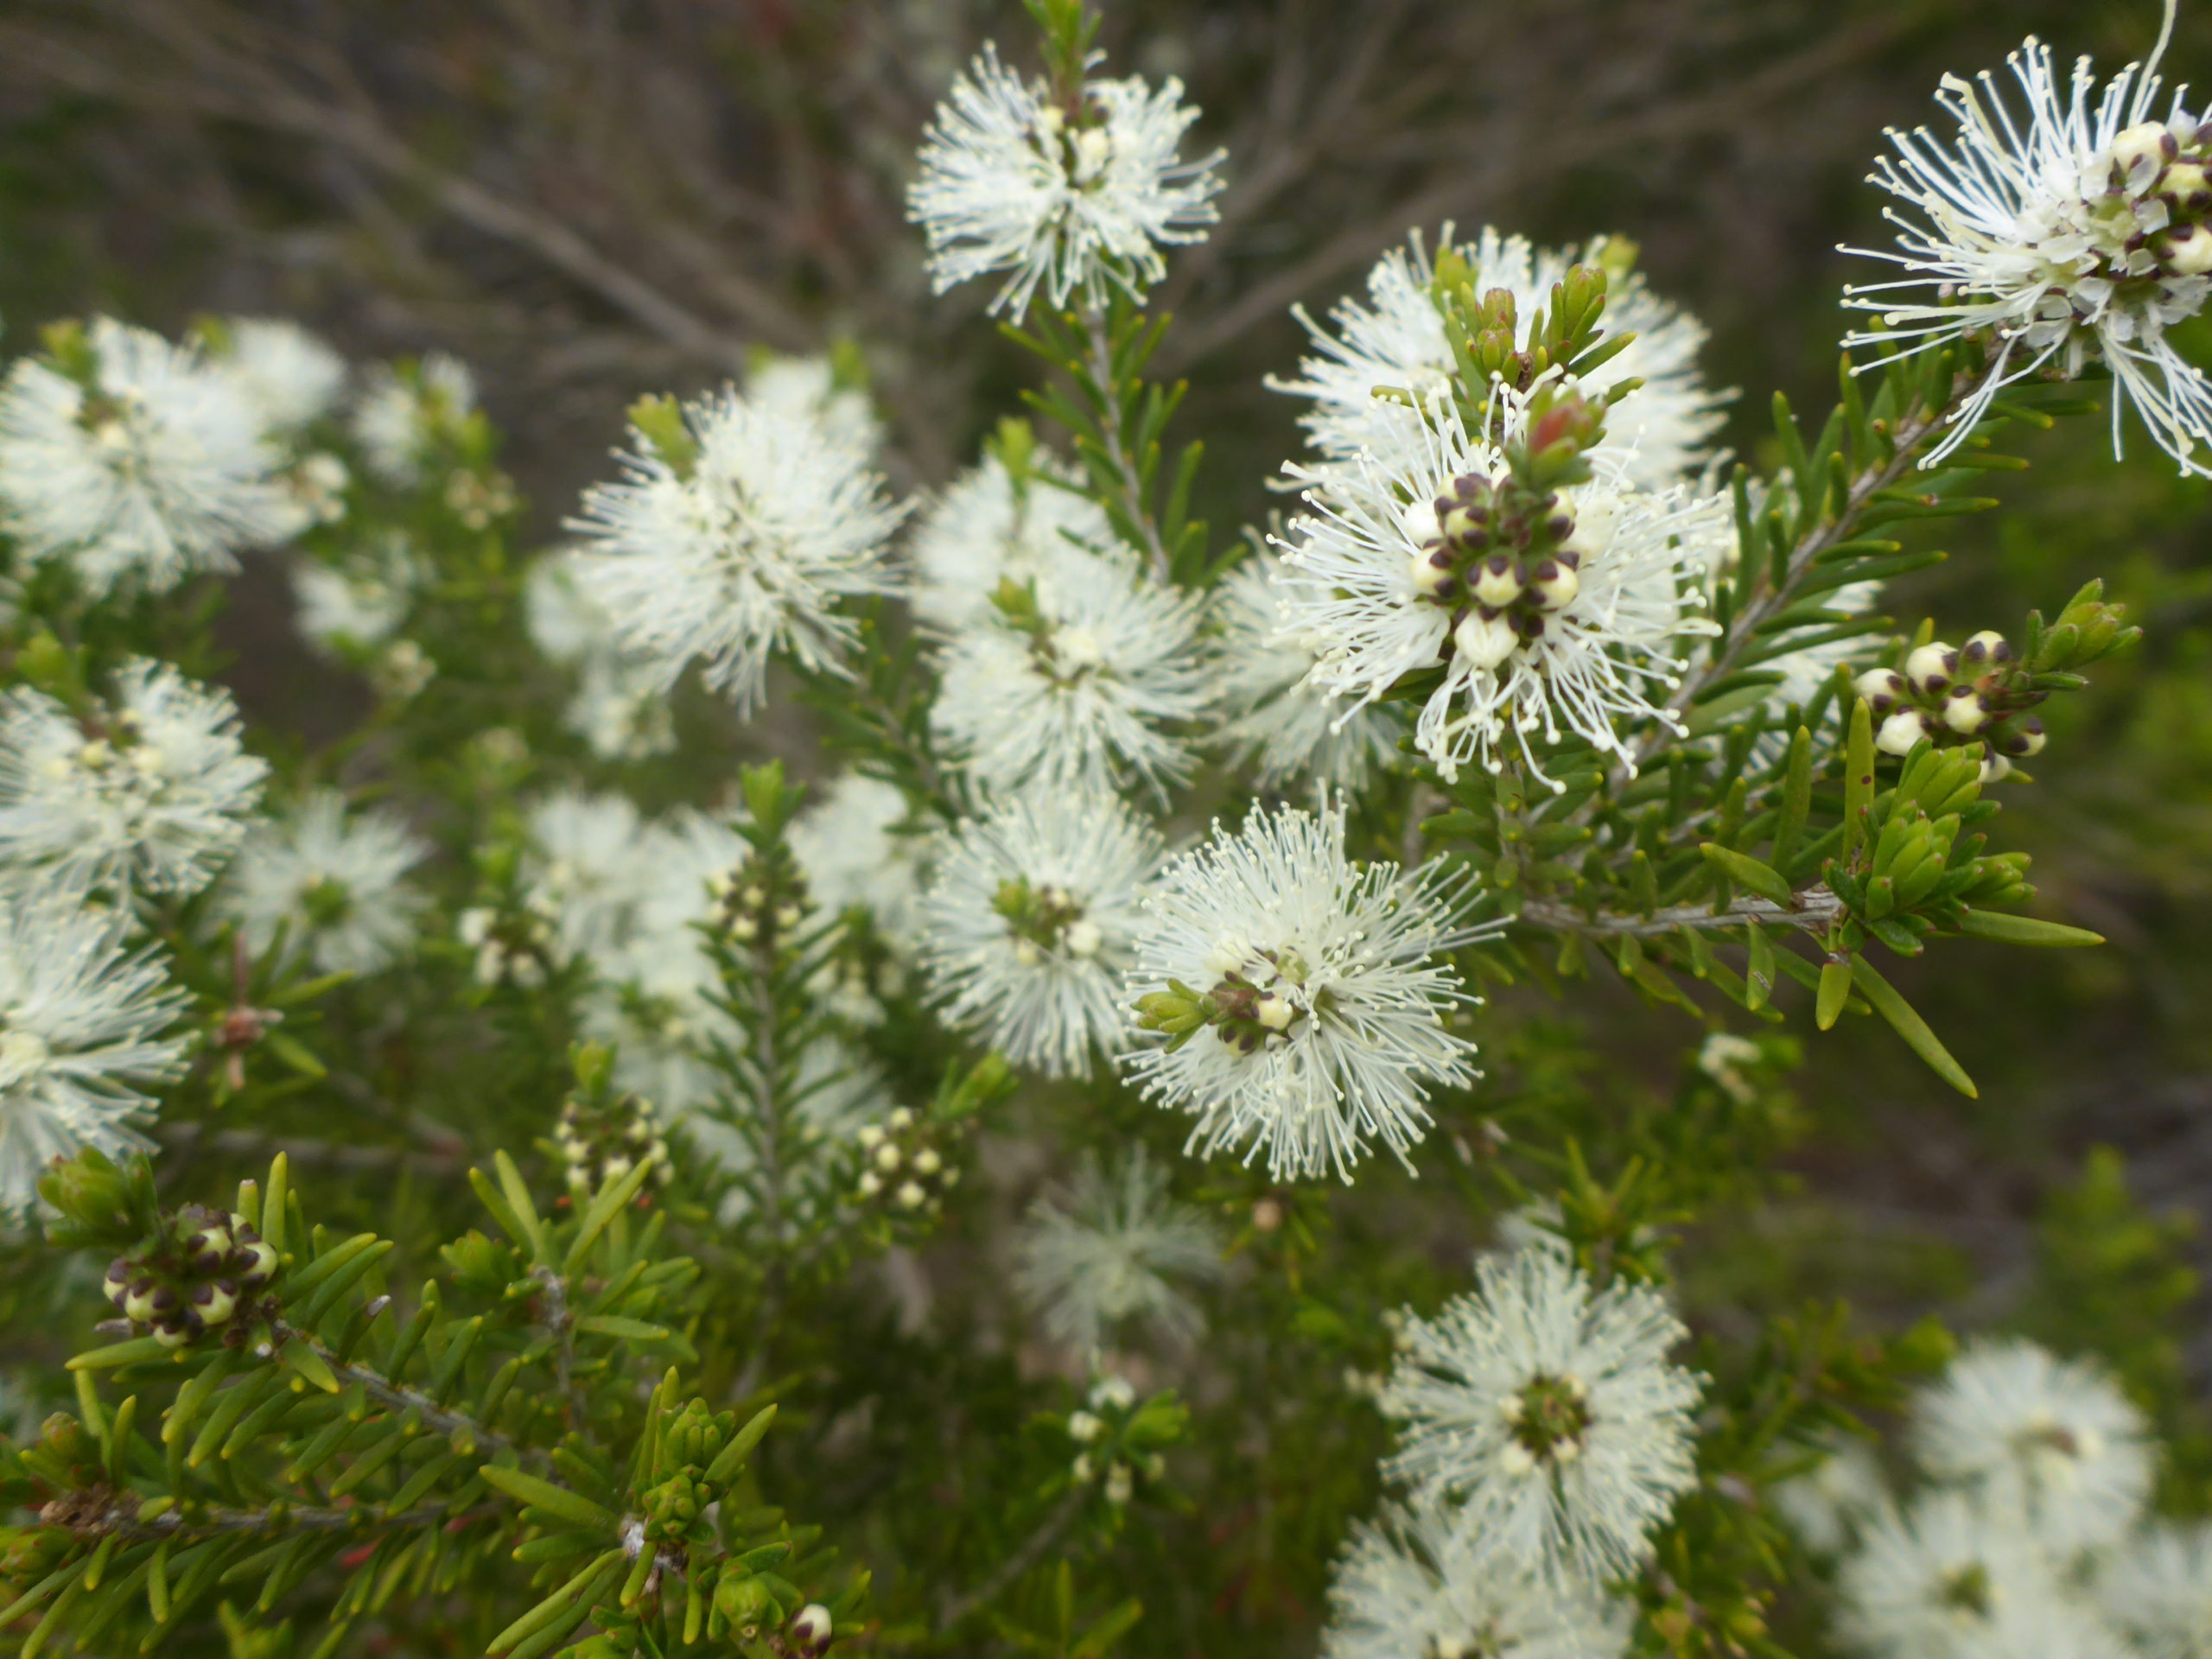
column 588, row 199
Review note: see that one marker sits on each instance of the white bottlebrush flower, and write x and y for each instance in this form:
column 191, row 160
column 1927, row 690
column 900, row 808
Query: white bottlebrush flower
column 2053, row 1442
column 1322, row 994
column 1950, row 1578
column 357, row 604
column 1273, row 712
column 290, row 376
column 1067, row 682
column 1583, row 655
column 742, row 550
column 982, row 529
column 81, row 1024
column 1029, row 921
column 407, row 410
column 806, row 388
column 1658, row 433
column 2065, row 226
column 848, row 841
column 1548, row 1411
column 1115, row 1251
column 136, row 461
column 1067, row 200
column 1828, row 1504
column 1411, row 1585
column 335, row 884
column 152, row 790
column 2158, row 1589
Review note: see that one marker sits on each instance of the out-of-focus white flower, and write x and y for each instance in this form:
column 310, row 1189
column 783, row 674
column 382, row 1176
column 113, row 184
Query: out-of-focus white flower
column 1068, row 199
column 135, row 461
column 1951, row 1577
column 1829, row 1503
column 589, row 871
column 1029, row 921
column 152, row 790
column 2065, row 227
column 336, row 885
column 847, row 842
column 1585, row 652
column 1114, row 1251
column 1658, row 434
column 290, row 376
column 1547, row 1412
column 621, row 706
column 1413, row 1585
column 407, row 410
column 807, row 388
column 984, row 528
column 1298, row 998
column 352, row 607
column 1273, row 713
column 82, row 1019
column 738, row 548
column 1068, row 681
column 2158, row 1589
column 2052, row 1442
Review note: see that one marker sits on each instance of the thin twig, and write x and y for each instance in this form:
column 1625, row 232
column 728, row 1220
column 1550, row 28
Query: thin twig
column 1816, row 908
column 1031, row 1550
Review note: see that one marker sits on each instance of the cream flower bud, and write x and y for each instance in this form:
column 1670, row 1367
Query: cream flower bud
column 1083, row 938
column 1516, row 1457
column 902, row 1117
column 911, row 1195
column 1084, row 1427
column 927, row 1162
column 2186, row 184
column 870, row 1184
column 1555, row 585
column 1486, row 641
column 1965, row 712
column 1901, row 731
column 2145, row 141
column 2187, row 250
column 1094, row 148
column 1274, row 1012
column 1418, row 519
column 1120, row 1483
column 1995, row 768
column 1883, row 687
column 888, row 1157
column 812, row 1627
column 1987, row 646
column 1497, row 581
column 1113, row 1393
column 1931, row 667
column 1430, row 572
column 1027, row 953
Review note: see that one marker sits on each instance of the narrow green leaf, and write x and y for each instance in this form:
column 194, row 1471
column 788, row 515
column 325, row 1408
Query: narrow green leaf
column 517, row 1196
column 1748, row 872
column 610, row 1198
column 2023, row 930
column 1835, row 987
column 731, row 1459
column 1909, row 1025
column 556, row 1500
column 1857, row 778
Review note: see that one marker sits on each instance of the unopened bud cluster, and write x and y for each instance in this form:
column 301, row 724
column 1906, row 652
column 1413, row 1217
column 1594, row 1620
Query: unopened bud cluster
column 1043, row 921
column 1502, row 558
column 904, row 1167
column 761, row 903
column 1246, row 1014
column 1120, row 1441
column 205, row 1271
column 2161, row 176
column 602, row 1141
column 1956, row 695
column 514, row 946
